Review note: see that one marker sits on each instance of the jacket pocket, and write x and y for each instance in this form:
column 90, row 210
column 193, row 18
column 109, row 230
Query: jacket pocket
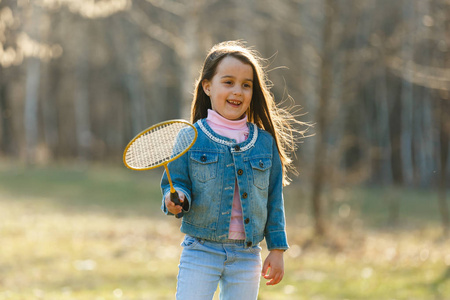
column 204, row 165
column 261, row 172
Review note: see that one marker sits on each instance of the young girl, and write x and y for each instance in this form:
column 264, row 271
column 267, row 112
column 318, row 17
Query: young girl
column 230, row 182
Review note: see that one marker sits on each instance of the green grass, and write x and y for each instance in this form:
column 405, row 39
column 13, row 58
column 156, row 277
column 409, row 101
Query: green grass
column 119, row 190
column 98, row 233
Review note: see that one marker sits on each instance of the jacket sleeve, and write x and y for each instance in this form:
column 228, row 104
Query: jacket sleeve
column 179, row 173
column 275, row 230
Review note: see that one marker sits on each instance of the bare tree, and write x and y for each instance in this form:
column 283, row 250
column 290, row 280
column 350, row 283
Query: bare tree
column 6, row 139
column 326, row 80
column 81, row 95
column 444, row 139
column 33, row 67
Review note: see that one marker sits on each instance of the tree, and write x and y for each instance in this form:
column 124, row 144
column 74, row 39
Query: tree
column 326, row 80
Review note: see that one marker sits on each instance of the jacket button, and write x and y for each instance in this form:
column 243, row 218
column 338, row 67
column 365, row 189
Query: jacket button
column 247, row 221
column 240, row 172
column 261, row 164
column 203, row 158
column 237, row 148
column 244, row 195
column 249, row 244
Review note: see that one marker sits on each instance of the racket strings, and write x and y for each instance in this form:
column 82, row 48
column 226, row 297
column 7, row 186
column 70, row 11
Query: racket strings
column 160, row 145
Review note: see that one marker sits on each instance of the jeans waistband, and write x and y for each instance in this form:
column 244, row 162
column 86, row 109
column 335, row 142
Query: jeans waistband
column 234, row 242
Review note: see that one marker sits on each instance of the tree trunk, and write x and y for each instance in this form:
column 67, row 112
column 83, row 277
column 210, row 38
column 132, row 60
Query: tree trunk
column 395, row 117
column 407, row 95
column 189, row 61
column 51, row 80
column 33, row 72
column 426, row 143
column 319, row 177
column 384, row 144
column 132, row 81
column 50, row 107
column 31, row 108
column 81, row 97
column 6, row 135
column 444, row 152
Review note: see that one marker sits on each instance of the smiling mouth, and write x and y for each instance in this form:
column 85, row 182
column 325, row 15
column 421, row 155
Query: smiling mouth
column 234, row 102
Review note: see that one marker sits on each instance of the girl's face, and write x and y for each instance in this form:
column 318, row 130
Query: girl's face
column 231, row 88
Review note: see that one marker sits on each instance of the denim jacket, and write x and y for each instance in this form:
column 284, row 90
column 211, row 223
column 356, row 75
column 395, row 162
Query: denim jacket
column 206, row 174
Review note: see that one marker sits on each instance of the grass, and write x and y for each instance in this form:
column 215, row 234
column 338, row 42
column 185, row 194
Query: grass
column 98, row 233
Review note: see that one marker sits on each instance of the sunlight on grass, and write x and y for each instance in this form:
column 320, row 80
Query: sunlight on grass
column 73, row 244
column 85, row 255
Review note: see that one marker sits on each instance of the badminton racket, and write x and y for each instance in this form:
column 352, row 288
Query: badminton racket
column 159, row 145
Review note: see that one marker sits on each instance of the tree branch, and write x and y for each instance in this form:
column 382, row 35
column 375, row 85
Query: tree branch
column 156, row 32
column 430, row 77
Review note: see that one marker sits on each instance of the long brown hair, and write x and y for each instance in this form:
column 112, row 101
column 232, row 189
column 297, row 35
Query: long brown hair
column 262, row 111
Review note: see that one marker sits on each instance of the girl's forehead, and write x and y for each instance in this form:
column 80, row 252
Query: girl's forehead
column 231, row 64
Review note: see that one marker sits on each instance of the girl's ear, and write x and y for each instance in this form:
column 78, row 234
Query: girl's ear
column 206, row 86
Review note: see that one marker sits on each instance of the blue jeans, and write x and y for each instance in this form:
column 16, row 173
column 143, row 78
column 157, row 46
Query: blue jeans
column 205, row 264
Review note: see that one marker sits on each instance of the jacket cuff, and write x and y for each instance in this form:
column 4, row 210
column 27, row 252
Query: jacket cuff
column 276, row 240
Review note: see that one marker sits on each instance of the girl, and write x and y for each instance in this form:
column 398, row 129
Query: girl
column 230, row 182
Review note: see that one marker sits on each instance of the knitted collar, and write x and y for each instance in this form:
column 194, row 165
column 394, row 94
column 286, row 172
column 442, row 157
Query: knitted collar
column 247, row 144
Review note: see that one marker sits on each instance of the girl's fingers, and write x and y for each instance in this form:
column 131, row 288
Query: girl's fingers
column 265, row 268
column 175, row 210
column 269, row 273
column 275, row 280
column 171, row 207
column 271, row 281
column 274, row 277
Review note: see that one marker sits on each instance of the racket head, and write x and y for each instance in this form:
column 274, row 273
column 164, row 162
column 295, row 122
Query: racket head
column 159, row 144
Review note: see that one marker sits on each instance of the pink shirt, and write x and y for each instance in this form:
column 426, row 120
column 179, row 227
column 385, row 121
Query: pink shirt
column 237, row 130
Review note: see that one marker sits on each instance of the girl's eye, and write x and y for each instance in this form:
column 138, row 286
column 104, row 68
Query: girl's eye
column 228, row 82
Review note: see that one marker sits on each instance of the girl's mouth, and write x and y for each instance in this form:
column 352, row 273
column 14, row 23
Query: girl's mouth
column 234, row 102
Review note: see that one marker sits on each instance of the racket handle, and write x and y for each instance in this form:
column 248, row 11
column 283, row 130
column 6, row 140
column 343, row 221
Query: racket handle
column 176, row 199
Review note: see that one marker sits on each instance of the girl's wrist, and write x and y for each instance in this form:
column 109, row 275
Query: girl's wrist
column 281, row 251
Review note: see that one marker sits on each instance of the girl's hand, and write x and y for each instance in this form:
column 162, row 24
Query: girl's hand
column 274, row 261
column 171, row 207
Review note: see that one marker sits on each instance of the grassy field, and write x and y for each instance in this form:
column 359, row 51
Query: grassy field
column 98, row 233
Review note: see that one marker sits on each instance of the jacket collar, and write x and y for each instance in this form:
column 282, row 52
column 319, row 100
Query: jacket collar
column 247, row 144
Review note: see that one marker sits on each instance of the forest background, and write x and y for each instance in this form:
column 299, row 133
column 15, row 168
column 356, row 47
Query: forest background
column 80, row 78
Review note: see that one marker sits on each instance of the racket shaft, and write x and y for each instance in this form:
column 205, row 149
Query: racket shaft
column 174, row 197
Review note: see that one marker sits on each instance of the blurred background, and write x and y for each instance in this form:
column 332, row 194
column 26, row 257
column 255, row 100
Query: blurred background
column 80, row 78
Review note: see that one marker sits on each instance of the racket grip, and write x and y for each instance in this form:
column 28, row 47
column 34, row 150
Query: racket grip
column 176, row 199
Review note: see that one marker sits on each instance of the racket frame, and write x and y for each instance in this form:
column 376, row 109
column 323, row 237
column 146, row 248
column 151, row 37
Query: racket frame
column 151, row 128
column 173, row 193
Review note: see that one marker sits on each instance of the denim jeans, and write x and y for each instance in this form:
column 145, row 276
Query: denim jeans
column 205, row 264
